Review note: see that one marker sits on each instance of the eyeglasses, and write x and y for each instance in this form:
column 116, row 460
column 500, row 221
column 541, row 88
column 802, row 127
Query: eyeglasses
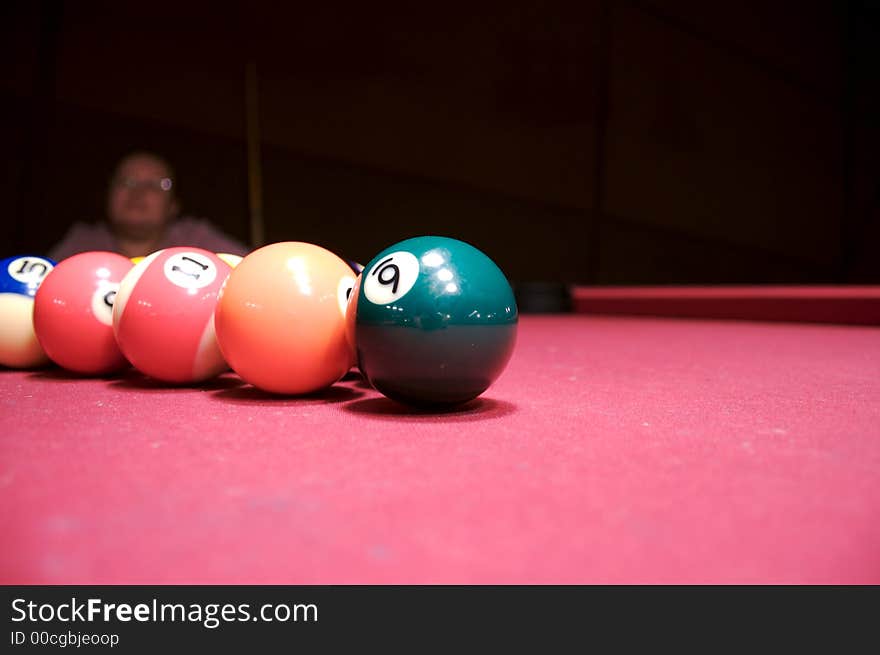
column 160, row 184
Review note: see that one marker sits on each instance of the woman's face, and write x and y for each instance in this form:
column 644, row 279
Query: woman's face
column 141, row 201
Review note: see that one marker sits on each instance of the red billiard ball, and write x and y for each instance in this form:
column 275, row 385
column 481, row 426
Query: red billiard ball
column 20, row 277
column 280, row 320
column 163, row 316
column 73, row 312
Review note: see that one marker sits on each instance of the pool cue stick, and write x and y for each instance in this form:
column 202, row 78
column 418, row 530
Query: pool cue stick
column 255, row 176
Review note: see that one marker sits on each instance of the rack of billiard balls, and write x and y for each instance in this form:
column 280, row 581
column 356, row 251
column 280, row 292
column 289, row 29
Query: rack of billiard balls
column 429, row 321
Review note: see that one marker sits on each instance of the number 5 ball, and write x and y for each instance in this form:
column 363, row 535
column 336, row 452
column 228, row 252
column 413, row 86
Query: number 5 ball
column 20, row 277
column 281, row 318
column 434, row 321
column 163, row 315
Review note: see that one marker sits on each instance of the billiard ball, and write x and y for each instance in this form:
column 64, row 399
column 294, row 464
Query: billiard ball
column 163, row 315
column 20, row 277
column 281, row 318
column 73, row 312
column 434, row 321
column 355, row 266
column 351, row 302
column 232, row 260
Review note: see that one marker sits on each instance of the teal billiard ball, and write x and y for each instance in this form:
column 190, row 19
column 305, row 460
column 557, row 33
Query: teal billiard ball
column 20, row 277
column 434, row 321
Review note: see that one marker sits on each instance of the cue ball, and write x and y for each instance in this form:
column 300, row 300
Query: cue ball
column 281, row 318
column 73, row 312
column 163, row 315
column 434, row 321
column 20, row 277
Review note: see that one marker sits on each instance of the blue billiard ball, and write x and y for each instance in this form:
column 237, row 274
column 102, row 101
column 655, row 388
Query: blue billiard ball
column 20, row 277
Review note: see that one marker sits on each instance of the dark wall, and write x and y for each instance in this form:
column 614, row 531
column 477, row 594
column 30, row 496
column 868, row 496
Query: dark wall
column 591, row 142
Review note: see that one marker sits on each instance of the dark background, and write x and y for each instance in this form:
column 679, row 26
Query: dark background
column 597, row 142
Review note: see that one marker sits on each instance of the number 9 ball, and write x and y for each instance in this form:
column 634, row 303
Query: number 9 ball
column 433, row 320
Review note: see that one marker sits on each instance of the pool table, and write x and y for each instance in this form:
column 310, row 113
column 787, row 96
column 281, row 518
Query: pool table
column 630, row 441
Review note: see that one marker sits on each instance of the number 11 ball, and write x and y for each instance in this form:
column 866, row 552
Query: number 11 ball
column 163, row 316
column 434, row 321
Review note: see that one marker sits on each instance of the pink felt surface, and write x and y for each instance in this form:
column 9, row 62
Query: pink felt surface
column 610, row 451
